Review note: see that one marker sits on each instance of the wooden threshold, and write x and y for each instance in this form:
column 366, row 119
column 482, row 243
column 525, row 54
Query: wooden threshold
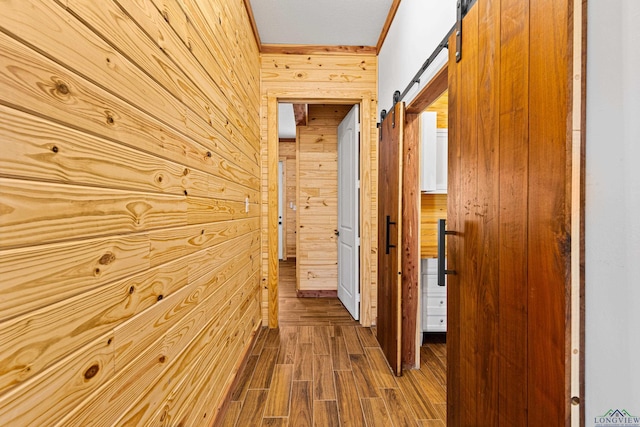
column 316, row 293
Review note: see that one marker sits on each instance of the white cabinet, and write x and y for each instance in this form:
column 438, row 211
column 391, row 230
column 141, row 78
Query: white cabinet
column 433, row 160
column 434, row 298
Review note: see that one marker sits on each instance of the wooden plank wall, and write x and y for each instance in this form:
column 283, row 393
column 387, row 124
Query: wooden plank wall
column 287, row 150
column 432, row 208
column 350, row 76
column 317, row 146
column 441, row 107
column 129, row 268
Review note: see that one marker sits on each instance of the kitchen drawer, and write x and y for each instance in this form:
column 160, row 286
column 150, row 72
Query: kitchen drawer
column 436, row 305
column 436, row 323
column 429, row 266
column 430, row 281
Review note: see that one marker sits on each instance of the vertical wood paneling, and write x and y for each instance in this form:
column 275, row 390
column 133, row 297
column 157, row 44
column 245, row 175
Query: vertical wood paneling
column 454, row 261
column 514, row 149
column 410, row 240
column 510, row 189
column 549, row 219
column 389, row 327
column 130, row 150
column 317, row 183
column 432, row 208
column 272, row 220
column 469, row 220
column 487, row 210
column 287, row 150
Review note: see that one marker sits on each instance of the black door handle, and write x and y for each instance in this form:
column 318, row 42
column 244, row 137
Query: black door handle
column 441, row 255
column 389, row 245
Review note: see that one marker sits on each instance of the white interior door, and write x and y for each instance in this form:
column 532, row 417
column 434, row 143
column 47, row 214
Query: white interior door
column 348, row 212
column 281, row 190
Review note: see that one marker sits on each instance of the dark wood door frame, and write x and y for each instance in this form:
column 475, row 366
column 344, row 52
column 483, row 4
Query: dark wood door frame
column 411, row 316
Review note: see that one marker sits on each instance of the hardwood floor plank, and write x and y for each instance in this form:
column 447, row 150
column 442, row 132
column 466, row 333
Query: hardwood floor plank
column 279, row 398
column 245, row 377
column 301, row 414
column 273, row 338
column 380, row 368
column 339, row 355
column 303, row 362
column 400, row 411
column 349, row 408
column 375, row 412
column 429, row 385
column 417, row 398
column 441, row 408
column 288, row 341
column 321, row 337
column 259, row 345
column 432, row 364
column 431, row 423
column 439, row 350
column 232, row 414
column 325, row 413
column 253, row 408
column 305, row 336
column 275, row 422
column 351, row 339
column 367, row 338
column 264, row 369
column 332, row 373
column 363, row 376
column 323, row 386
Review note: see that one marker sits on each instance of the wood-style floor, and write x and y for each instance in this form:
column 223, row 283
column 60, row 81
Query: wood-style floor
column 320, row 368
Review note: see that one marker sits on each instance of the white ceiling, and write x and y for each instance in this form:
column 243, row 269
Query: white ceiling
column 320, row 22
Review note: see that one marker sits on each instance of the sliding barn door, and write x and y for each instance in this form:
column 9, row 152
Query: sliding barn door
column 509, row 211
column 389, row 322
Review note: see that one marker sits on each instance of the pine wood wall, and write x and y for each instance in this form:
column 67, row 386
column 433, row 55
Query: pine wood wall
column 129, row 268
column 317, row 261
column 432, row 208
column 319, row 78
column 287, row 150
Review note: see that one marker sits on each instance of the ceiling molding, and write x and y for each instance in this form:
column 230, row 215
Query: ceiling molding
column 308, row 49
column 387, row 24
column 254, row 27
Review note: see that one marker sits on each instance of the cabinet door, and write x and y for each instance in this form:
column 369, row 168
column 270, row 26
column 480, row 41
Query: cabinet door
column 428, row 159
column 433, row 160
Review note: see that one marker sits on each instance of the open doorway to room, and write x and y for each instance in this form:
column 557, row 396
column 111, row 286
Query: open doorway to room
column 433, row 208
column 318, row 213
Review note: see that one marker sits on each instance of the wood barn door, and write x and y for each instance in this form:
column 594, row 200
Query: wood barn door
column 509, row 210
column 389, row 322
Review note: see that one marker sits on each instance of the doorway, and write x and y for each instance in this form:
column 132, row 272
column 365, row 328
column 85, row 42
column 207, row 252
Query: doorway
column 318, row 202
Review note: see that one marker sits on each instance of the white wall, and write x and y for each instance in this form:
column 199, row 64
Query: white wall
column 613, row 208
column 418, row 27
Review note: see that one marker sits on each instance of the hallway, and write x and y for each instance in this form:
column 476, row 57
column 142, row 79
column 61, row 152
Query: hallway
column 321, row 368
